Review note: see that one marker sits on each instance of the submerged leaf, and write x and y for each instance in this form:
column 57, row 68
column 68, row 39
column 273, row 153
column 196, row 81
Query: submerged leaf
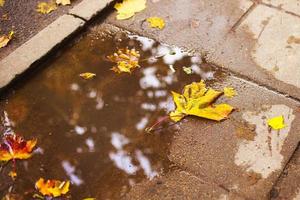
column 197, row 100
column 128, row 8
column 277, row 123
column 54, row 188
column 156, row 22
column 4, row 39
column 87, row 75
column 63, row 2
column 126, row 60
column 46, row 7
column 15, row 147
column 2, row 2
column 229, row 92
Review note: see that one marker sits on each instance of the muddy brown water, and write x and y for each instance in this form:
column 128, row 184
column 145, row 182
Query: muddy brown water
column 92, row 132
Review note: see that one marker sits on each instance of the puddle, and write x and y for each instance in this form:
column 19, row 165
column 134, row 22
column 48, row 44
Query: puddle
column 92, row 132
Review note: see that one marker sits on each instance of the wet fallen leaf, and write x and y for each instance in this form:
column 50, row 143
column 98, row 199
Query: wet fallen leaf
column 276, row 123
column 12, row 174
column 4, row 39
column 87, row 75
column 187, row 70
column 197, row 100
column 126, row 60
column 46, row 7
column 63, row 2
column 128, row 8
column 2, row 2
column 54, row 188
column 15, row 147
column 229, row 92
column 156, row 22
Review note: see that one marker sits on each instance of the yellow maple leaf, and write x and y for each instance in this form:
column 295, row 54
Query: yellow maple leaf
column 126, row 60
column 46, row 7
column 197, row 100
column 63, row 2
column 87, row 75
column 229, row 92
column 128, row 8
column 54, row 188
column 276, row 123
column 15, row 147
column 156, row 22
column 2, row 2
column 4, row 39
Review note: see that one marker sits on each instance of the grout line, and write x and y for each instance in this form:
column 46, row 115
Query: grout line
column 280, row 9
column 77, row 16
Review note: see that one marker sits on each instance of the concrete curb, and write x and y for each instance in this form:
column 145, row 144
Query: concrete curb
column 46, row 40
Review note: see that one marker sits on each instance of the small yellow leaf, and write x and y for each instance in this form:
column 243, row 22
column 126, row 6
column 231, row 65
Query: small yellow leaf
column 12, row 174
column 229, row 92
column 276, row 123
column 54, row 188
column 156, row 22
column 187, row 70
column 4, row 39
column 197, row 100
column 87, row 75
column 46, row 7
column 2, row 2
column 63, row 2
column 89, row 199
column 128, row 8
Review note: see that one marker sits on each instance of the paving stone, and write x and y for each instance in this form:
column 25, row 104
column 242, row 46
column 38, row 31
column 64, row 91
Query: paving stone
column 291, row 5
column 37, row 47
column 288, row 186
column 177, row 185
column 240, row 154
column 89, row 8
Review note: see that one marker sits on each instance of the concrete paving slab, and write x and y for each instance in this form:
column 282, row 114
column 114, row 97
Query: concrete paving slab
column 177, row 185
column 37, row 47
column 240, row 154
column 89, row 9
column 221, row 30
column 288, row 185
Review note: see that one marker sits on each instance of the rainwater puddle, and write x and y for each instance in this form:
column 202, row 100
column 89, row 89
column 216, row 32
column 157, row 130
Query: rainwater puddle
column 92, row 132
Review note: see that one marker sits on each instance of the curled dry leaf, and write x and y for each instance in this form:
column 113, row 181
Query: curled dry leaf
column 197, row 100
column 63, row 2
column 15, row 147
column 126, row 60
column 46, row 7
column 53, row 188
column 156, row 22
column 4, row 39
column 277, row 123
column 128, row 8
column 87, row 75
column 229, row 92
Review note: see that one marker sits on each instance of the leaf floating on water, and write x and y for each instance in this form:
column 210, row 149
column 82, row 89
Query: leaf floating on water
column 277, row 123
column 197, row 100
column 126, row 60
column 54, row 188
column 2, row 2
column 46, row 7
column 229, row 92
column 63, row 2
column 87, row 75
column 128, row 8
column 4, row 39
column 156, row 22
column 15, row 147
column 187, row 70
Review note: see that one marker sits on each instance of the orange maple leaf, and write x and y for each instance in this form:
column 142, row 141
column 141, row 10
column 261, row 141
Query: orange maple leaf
column 53, row 188
column 15, row 147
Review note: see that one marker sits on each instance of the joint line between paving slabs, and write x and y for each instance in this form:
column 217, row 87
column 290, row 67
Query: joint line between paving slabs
column 280, row 9
column 76, row 16
column 243, row 17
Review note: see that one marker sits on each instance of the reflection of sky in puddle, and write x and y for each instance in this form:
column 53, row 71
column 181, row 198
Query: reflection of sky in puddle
column 97, row 127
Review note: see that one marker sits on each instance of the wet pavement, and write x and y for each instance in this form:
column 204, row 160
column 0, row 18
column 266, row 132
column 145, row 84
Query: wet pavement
column 21, row 17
